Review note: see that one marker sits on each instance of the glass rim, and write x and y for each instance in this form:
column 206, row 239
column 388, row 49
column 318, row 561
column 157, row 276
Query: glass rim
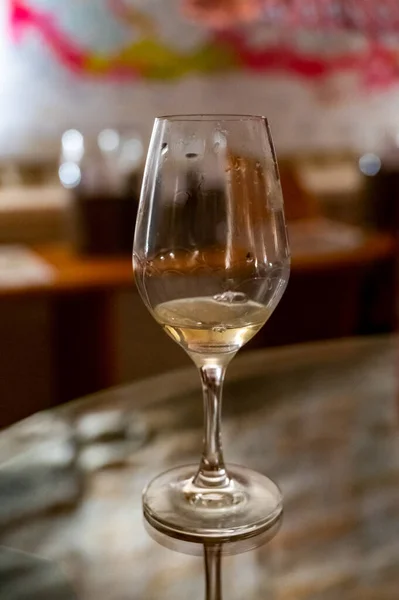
column 211, row 117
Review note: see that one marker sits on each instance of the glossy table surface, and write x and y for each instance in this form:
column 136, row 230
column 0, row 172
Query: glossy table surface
column 320, row 419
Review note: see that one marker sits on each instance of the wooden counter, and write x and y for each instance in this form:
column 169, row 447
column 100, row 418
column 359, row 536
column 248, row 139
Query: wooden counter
column 80, row 298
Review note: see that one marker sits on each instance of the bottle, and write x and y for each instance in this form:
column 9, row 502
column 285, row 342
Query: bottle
column 103, row 176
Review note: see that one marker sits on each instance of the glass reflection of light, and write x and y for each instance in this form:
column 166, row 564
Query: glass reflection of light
column 70, row 174
column 370, row 164
column 72, row 145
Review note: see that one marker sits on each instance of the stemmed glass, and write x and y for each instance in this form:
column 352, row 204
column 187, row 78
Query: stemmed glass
column 211, row 262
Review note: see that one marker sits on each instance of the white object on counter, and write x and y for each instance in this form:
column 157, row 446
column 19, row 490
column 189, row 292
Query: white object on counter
column 20, row 266
column 33, row 198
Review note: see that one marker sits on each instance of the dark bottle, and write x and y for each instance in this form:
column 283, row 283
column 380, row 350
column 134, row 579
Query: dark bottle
column 383, row 189
column 104, row 202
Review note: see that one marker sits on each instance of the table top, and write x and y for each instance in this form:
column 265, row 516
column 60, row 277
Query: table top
column 316, row 244
column 320, row 419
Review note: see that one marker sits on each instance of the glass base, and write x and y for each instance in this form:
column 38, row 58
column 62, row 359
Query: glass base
column 250, row 504
column 186, row 544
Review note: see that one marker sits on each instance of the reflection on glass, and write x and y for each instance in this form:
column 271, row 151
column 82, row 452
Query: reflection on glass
column 194, row 546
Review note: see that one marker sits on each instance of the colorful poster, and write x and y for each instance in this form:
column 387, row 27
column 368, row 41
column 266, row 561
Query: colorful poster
column 90, row 64
column 157, row 40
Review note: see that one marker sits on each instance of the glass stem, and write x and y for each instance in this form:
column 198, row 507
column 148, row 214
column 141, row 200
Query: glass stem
column 212, row 472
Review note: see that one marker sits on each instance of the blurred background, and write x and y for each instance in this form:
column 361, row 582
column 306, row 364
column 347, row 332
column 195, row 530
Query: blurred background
column 81, row 82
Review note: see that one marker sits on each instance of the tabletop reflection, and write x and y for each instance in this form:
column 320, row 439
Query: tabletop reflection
column 213, row 552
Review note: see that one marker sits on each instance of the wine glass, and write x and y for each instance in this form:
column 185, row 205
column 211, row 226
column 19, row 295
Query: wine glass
column 211, row 262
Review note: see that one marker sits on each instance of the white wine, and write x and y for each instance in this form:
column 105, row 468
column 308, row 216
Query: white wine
column 212, row 325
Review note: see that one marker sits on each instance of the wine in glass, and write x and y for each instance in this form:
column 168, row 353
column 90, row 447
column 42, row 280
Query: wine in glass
column 211, row 262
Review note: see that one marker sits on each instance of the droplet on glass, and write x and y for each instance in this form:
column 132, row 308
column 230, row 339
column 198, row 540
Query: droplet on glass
column 164, row 149
column 182, row 197
column 238, row 165
column 249, row 257
column 219, row 329
column 150, row 269
column 220, row 142
column 191, row 155
column 231, row 298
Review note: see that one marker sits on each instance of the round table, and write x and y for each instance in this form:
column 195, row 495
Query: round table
column 320, row 419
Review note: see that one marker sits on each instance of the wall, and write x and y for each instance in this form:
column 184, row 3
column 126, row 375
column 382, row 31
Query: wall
column 42, row 95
